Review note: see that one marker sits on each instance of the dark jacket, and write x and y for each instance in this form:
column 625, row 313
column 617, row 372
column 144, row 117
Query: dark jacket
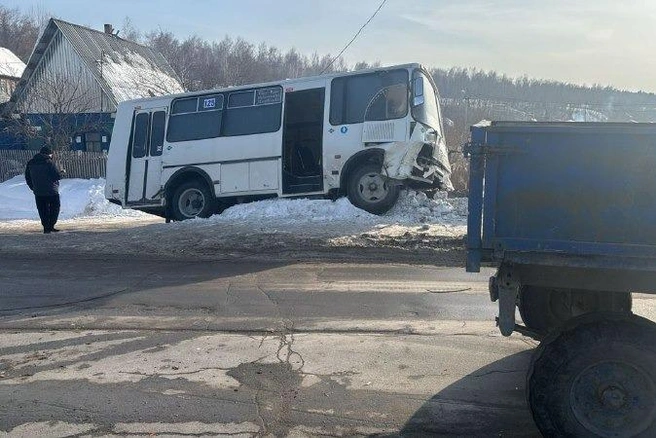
column 42, row 176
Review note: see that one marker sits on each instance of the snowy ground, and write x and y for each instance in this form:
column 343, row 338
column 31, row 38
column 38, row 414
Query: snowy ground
column 280, row 226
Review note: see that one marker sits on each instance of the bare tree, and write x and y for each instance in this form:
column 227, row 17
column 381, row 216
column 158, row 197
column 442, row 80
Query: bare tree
column 18, row 32
column 129, row 32
column 59, row 106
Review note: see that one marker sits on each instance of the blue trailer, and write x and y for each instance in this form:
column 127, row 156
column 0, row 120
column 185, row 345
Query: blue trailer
column 567, row 212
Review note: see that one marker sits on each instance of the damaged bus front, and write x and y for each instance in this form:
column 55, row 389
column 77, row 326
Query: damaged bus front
column 421, row 159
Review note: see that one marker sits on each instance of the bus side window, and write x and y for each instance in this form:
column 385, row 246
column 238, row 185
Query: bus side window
column 351, row 96
column 140, row 139
column 157, row 133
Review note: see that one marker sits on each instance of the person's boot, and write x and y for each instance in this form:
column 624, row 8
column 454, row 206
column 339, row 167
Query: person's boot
column 54, row 230
column 46, row 231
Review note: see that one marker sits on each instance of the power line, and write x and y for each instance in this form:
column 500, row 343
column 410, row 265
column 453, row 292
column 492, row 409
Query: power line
column 355, row 36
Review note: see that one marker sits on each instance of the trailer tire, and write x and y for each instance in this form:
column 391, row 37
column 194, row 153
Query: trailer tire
column 370, row 190
column 192, row 199
column 596, row 377
column 546, row 309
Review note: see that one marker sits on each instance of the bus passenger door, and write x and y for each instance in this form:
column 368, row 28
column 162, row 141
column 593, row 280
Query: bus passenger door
column 302, row 142
column 145, row 164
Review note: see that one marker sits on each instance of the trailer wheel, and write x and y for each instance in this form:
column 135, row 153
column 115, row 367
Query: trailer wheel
column 371, row 191
column 192, row 199
column 596, row 377
column 545, row 309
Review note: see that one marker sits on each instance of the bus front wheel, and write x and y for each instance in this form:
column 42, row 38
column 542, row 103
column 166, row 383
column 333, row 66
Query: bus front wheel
column 371, row 191
column 192, row 199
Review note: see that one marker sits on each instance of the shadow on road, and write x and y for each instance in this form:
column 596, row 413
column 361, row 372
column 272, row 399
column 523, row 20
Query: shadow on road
column 489, row 402
column 292, row 289
column 38, row 284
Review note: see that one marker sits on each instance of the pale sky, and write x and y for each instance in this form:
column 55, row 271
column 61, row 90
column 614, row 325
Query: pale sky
column 608, row 42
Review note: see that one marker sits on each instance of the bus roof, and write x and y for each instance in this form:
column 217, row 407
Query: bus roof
column 282, row 82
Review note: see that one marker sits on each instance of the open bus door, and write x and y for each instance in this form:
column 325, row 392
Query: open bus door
column 302, row 152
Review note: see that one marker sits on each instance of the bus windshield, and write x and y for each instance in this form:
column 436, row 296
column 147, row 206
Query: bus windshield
column 425, row 107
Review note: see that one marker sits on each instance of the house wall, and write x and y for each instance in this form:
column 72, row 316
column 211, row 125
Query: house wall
column 62, row 83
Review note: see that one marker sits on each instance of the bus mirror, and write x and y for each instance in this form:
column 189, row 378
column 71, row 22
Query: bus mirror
column 418, row 100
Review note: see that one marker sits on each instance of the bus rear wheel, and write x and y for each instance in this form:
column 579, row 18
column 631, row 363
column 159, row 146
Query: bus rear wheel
column 370, row 190
column 192, row 199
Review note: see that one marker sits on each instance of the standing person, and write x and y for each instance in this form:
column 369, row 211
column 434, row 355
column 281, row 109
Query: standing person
column 42, row 177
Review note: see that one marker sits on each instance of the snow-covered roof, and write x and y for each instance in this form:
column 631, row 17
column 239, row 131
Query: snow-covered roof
column 128, row 70
column 131, row 76
column 10, row 65
column 123, row 69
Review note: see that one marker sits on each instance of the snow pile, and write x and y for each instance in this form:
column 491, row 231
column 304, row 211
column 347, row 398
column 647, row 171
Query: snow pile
column 294, row 210
column 79, row 198
column 85, row 198
column 412, row 208
column 417, row 207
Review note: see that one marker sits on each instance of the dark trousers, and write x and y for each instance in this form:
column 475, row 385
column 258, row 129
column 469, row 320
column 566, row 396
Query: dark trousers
column 48, row 207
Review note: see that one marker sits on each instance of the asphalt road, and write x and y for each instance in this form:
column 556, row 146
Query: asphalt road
column 134, row 346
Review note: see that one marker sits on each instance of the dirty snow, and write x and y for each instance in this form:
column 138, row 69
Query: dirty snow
column 271, row 228
column 84, row 198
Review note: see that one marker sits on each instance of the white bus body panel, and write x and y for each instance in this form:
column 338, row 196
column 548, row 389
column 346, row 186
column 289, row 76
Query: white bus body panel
column 245, row 165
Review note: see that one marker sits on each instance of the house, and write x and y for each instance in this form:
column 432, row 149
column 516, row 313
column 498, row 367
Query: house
column 75, row 78
column 11, row 70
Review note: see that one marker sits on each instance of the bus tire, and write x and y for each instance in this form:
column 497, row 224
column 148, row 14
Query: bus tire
column 370, row 190
column 546, row 309
column 192, row 199
column 595, row 377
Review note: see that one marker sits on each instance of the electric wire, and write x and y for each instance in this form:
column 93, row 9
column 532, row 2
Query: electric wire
column 355, row 36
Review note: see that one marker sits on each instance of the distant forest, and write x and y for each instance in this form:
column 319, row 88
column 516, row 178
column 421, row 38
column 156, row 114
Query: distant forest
column 468, row 95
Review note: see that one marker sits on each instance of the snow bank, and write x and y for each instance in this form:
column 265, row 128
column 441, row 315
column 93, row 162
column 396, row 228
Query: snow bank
column 412, row 208
column 85, row 198
column 79, row 198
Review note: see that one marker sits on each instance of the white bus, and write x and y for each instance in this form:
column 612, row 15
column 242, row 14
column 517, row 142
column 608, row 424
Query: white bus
column 362, row 134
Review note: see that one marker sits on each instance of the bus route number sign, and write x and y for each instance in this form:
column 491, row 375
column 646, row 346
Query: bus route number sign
column 209, row 103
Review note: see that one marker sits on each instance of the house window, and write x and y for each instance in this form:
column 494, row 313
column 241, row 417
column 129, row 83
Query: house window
column 92, row 142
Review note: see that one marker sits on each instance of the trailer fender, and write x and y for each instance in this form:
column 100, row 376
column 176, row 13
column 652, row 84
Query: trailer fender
column 505, row 287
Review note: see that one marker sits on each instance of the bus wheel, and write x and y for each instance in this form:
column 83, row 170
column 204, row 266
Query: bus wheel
column 371, row 191
column 545, row 309
column 192, row 199
column 596, row 377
